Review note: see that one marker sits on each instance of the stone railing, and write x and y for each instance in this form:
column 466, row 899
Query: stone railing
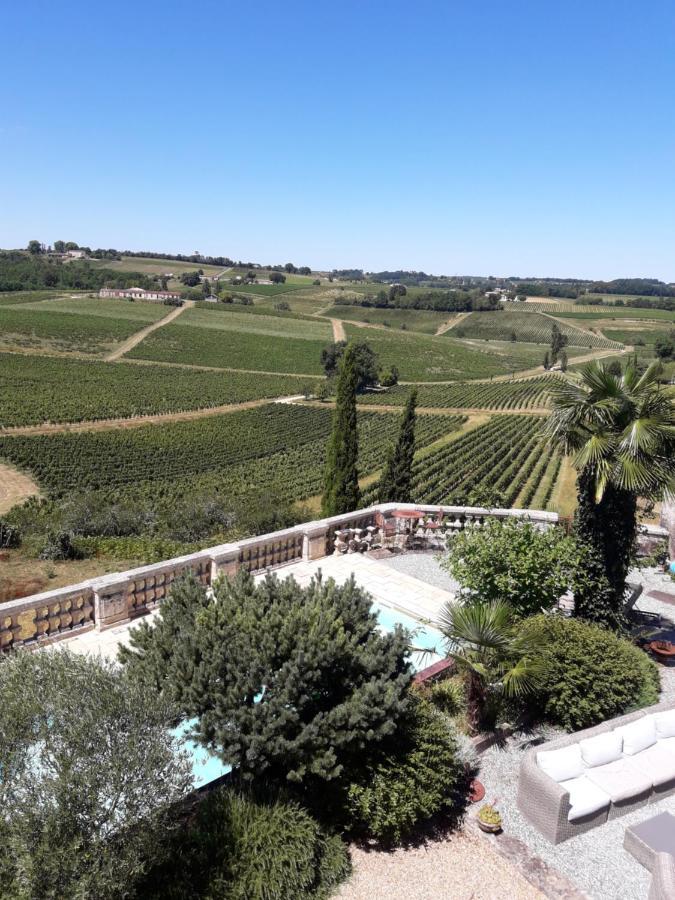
column 118, row 598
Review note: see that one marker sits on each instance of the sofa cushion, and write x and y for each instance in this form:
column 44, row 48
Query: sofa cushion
column 562, row 764
column 621, row 779
column 657, row 762
column 638, row 735
column 585, row 797
column 602, row 749
column 665, row 724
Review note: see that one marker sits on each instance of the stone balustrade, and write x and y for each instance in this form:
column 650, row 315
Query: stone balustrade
column 118, row 598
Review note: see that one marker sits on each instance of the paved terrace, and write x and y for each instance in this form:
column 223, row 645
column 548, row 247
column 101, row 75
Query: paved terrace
column 390, row 588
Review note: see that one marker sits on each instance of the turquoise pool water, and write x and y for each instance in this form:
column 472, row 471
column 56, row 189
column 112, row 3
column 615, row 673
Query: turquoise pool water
column 427, row 640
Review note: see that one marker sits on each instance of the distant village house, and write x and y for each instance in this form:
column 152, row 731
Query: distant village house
column 135, row 293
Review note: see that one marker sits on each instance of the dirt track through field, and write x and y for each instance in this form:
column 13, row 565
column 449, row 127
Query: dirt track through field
column 15, row 487
column 136, row 338
column 451, row 323
column 186, row 415
column 338, row 330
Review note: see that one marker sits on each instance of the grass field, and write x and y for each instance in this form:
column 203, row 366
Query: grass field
column 425, row 321
column 629, row 335
column 12, row 298
column 49, row 389
column 82, row 325
column 239, row 340
column 532, row 327
column 149, row 266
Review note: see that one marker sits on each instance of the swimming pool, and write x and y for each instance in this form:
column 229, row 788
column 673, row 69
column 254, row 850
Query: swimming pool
column 428, row 641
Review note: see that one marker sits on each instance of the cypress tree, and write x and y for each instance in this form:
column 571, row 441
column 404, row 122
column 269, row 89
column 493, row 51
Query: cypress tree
column 396, row 481
column 341, row 481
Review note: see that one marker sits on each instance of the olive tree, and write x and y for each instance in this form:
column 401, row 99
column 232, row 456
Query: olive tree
column 89, row 774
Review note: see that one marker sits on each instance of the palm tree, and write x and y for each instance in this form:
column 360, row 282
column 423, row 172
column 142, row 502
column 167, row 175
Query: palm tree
column 498, row 657
column 621, row 430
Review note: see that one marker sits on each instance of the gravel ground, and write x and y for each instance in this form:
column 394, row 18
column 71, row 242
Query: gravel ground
column 461, row 867
column 596, row 861
column 424, row 566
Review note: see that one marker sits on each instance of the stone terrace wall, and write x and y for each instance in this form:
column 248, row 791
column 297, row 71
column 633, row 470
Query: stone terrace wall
column 120, row 597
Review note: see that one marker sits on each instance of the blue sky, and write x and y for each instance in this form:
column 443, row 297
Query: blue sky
column 456, row 137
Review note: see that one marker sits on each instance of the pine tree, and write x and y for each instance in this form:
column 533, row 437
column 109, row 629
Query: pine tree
column 293, row 684
column 341, row 481
column 396, row 481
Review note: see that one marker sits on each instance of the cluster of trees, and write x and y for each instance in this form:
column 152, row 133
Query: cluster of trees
column 397, row 297
column 37, row 271
column 341, row 481
column 664, row 347
column 290, row 268
column 557, row 353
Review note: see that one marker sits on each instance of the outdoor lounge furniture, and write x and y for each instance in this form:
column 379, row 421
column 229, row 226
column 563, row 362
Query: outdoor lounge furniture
column 579, row 781
column 652, row 843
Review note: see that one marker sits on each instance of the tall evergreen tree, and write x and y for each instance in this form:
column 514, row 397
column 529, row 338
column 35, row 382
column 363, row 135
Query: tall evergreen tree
column 396, row 481
column 341, row 480
column 291, row 684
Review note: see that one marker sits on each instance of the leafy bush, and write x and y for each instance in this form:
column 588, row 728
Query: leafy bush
column 10, row 536
column 449, row 695
column 591, row 674
column 246, row 847
column 422, row 776
column 59, row 545
column 512, row 561
column 90, row 776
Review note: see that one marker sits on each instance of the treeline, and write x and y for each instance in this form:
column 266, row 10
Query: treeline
column 667, row 303
column 21, row 272
column 570, row 289
column 442, row 301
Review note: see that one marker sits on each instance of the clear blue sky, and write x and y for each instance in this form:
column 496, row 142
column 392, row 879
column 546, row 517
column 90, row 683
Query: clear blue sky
column 457, row 137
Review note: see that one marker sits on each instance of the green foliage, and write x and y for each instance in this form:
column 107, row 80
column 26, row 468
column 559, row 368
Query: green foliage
column 396, row 480
column 422, row 776
column 247, row 846
column 512, row 561
column 59, row 545
column 449, row 695
column 90, row 773
column 341, row 481
column 500, row 660
column 590, row 674
column 19, row 272
column 289, row 683
column 10, row 536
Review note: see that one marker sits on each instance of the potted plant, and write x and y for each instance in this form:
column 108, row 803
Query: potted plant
column 489, row 818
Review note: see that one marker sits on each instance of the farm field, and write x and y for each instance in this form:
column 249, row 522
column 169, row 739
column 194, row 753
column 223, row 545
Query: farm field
column 14, row 298
column 268, row 290
column 239, row 340
column 498, row 463
column 425, row 321
column 572, row 311
column 531, row 327
column 53, row 389
column 637, row 333
column 503, row 395
column 150, row 266
column 274, row 447
column 421, row 357
column 83, row 325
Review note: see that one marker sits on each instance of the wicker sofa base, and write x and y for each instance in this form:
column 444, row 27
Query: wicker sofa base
column 545, row 803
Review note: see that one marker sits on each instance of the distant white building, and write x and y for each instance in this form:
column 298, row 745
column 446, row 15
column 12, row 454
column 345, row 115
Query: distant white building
column 76, row 254
column 136, row 293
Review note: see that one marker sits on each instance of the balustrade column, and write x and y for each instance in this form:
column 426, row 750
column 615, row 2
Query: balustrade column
column 314, row 542
column 111, row 604
column 224, row 561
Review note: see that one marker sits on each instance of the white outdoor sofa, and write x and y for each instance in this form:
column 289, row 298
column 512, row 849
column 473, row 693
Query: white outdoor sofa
column 579, row 781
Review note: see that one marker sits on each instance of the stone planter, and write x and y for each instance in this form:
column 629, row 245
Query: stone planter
column 488, row 827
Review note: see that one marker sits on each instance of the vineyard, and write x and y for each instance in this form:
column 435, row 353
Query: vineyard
column 503, row 463
column 532, row 327
column 276, row 444
column 425, row 321
column 232, row 339
column 421, row 357
column 54, row 389
column 78, row 325
column 572, row 311
column 514, row 395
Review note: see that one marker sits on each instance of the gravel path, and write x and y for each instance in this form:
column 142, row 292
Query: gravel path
column 462, row 866
column 424, row 566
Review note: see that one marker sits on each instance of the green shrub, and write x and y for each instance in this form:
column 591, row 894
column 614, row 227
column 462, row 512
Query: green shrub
column 423, row 776
column 10, row 536
column 241, row 846
column 591, row 674
column 449, row 695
